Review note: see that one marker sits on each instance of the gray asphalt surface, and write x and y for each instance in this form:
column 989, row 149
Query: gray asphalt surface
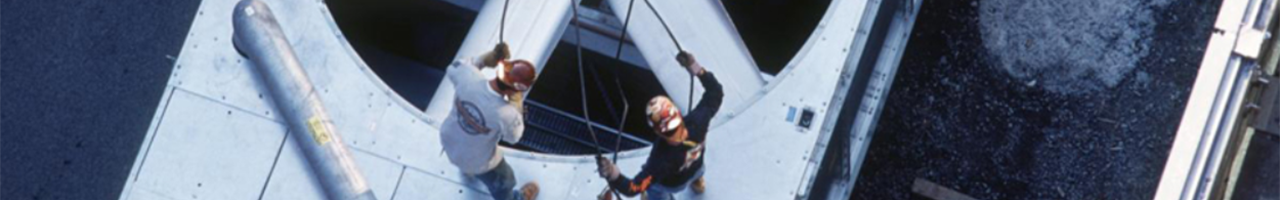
column 955, row 118
column 79, row 82
column 1258, row 178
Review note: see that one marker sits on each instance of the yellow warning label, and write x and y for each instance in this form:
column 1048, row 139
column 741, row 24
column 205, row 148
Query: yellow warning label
column 318, row 130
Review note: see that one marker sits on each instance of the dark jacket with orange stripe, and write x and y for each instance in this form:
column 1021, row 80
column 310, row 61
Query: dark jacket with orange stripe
column 673, row 165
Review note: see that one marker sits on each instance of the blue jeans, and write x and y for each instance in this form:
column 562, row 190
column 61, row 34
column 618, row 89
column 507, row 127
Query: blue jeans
column 500, row 181
column 662, row 192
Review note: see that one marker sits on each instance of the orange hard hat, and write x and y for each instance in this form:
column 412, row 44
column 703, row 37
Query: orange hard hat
column 663, row 114
column 519, row 74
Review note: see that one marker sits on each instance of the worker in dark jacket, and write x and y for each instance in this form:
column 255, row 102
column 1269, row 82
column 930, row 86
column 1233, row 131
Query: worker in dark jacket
column 675, row 162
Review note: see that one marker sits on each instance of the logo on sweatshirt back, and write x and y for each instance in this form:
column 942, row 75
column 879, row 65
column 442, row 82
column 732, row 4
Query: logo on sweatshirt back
column 470, row 118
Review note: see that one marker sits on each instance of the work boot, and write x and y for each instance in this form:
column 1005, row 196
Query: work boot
column 530, row 191
column 699, row 186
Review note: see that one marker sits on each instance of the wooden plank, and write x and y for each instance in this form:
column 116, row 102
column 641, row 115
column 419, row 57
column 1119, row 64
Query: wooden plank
column 932, row 190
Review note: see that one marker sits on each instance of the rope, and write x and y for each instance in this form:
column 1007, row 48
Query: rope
column 617, row 55
column 582, row 85
column 688, row 104
column 582, row 88
column 626, row 106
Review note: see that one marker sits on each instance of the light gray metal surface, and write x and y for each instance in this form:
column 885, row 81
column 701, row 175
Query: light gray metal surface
column 703, row 28
column 868, row 91
column 533, row 29
column 291, row 178
column 601, row 32
column 228, row 162
column 259, row 37
column 755, row 150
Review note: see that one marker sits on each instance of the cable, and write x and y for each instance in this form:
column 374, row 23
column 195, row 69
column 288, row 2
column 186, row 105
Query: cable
column 688, row 104
column 664, row 25
column 502, row 24
column 626, row 106
column 617, row 55
column 582, row 85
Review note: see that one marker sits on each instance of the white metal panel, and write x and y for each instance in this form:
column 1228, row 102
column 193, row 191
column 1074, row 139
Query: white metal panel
column 210, row 66
column 383, row 175
column 1250, row 43
column 569, row 177
column 554, row 185
column 128, row 192
column 704, row 29
column 418, row 184
column 533, row 29
column 211, row 150
column 761, row 139
column 291, row 178
column 144, row 193
column 380, row 125
column 403, row 137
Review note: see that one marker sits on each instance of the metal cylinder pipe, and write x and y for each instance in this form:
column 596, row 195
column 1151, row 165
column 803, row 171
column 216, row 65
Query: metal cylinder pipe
column 258, row 37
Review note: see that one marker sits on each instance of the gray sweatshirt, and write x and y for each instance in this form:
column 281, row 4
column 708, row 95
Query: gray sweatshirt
column 480, row 117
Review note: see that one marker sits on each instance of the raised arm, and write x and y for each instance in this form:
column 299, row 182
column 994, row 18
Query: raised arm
column 491, row 58
column 711, row 98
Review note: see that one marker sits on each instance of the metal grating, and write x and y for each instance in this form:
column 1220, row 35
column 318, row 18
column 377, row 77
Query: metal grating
column 549, row 130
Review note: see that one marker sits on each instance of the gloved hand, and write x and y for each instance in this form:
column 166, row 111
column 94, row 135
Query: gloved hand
column 501, row 51
column 607, row 170
column 688, row 62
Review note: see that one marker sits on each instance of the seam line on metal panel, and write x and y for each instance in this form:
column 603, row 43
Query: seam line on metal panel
column 424, row 171
column 398, row 180
column 232, row 106
column 279, row 150
column 150, row 141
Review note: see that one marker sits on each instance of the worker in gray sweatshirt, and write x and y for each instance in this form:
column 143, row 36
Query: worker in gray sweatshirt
column 485, row 111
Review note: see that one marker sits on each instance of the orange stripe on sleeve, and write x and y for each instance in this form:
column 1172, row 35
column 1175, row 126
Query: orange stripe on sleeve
column 644, row 184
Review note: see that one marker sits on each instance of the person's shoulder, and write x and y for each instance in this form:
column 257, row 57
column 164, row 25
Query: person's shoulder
column 509, row 110
column 465, row 61
column 454, row 69
column 462, row 70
